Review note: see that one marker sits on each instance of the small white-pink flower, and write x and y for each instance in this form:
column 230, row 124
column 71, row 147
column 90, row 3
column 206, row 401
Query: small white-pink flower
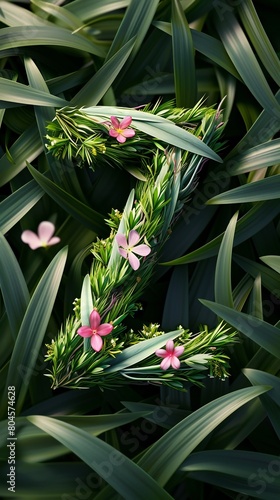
column 119, row 130
column 170, row 355
column 128, row 247
column 44, row 238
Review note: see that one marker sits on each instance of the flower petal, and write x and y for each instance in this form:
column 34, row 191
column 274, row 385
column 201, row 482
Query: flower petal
column 123, row 252
column 125, row 122
column 128, row 132
column 121, row 138
column 96, row 342
column 31, row 239
column 170, row 346
column 85, row 331
column 165, row 363
column 115, row 122
column 142, row 250
column 175, row 362
column 113, row 132
column 94, row 319
column 133, row 261
column 121, row 240
column 45, row 231
column 161, row 353
column 53, row 241
column 178, row 350
column 104, row 329
column 133, row 238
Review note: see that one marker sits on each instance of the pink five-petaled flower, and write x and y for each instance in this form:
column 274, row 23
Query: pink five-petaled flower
column 44, row 238
column 120, row 130
column 170, row 355
column 95, row 330
column 128, row 248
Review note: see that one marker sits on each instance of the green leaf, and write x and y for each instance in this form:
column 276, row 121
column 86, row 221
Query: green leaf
column 24, row 94
column 259, row 39
column 13, row 286
column 26, row 36
column 159, row 128
column 136, row 353
column 270, row 279
column 272, row 261
column 86, row 307
column 176, row 306
column 26, row 148
column 83, row 213
column 183, row 58
column 248, row 225
column 135, row 23
column 17, row 204
column 97, row 86
column 127, row 478
column 223, row 288
column 265, row 189
column 87, row 10
column 165, row 456
column 236, row 470
column 33, row 328
column 261, row 332
column 242, row 56
column 263, row 155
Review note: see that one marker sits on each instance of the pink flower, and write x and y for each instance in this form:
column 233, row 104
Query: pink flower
column 44, row 238
column 170, row 355
column 120, row 130
column 128, row 248
column 95, row 330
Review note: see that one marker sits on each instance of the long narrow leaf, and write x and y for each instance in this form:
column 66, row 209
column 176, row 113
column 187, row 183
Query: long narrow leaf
column 13, row 286
column 33, row 327
column 127, row 478
column 183, row 58
column 261, row 332
column 24, row 36
column 223, row 288
column 242, row 56
column 265, row 189
column 97, row 86
column 236, row 470
column 17, row 204
column 165, row 456
column 83, row 213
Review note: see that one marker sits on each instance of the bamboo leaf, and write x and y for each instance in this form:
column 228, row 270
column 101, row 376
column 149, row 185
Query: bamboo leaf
column 261, row 332
column 33, row 327
column 127, row 478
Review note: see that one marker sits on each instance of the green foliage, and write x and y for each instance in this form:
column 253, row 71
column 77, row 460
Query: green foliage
column 200, row 81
